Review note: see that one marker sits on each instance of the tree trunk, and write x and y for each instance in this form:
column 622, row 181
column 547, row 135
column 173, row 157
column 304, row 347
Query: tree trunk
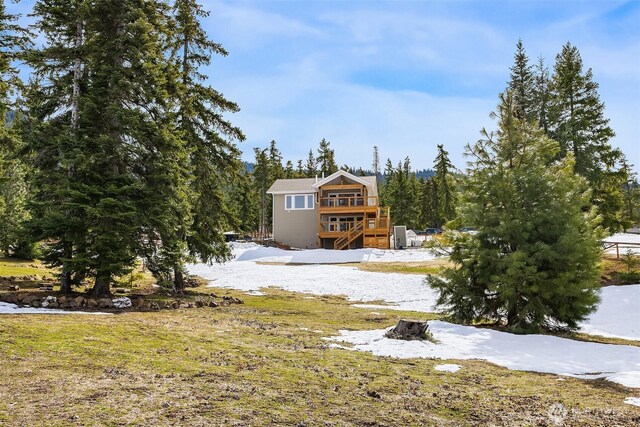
column 77, row 71
column 178, row 280
column 102, row 286
column 65, row 276
column 409, row 330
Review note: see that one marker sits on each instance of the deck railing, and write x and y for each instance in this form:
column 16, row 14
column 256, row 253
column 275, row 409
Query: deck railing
column 347, row 201
column 341, row 226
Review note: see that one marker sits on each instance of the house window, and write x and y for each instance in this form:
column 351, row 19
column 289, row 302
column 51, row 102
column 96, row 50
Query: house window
column 298, row 201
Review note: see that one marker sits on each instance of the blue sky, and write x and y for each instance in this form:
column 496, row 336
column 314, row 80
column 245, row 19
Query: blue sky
column 407, row 75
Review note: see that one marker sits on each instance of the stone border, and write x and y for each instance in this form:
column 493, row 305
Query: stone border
column 133, row 303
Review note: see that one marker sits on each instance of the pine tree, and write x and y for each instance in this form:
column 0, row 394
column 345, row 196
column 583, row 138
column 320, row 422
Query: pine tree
column 325, row 161
column 577, row 122
column 311, row 167
column 541, row 94
column 276, row 171
column 102, row 159
column 521, row 84
column 262, row 181
column 54, row 138
column 13, row 187
column 289, row 172
column 300, row 170
column 401, row 195
column 208, row 136
column 445, row 186
column 631, row 200
column 430, row 204
column 535, row 260
column 246, row 201
column 375, row 165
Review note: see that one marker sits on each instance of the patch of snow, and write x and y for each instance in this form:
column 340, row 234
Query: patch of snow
column 623, row 238
column 447, row 367
column 538, row 353
column 255, row 252
column 122, row 302
column 375, row 306
column 406, row 290
column 6, row 308
column 256, row 293
column 618, row 314
column 632, row 401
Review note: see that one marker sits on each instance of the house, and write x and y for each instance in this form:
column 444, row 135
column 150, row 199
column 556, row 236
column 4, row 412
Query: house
column 340, row 211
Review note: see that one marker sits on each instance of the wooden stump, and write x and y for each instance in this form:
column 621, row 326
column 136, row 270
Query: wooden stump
column 408, row 330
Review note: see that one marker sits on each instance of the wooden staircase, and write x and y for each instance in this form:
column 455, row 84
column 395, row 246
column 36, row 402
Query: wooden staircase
column 349, row 236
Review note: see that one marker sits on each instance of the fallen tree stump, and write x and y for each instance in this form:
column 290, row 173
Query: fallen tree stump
column 409, row 330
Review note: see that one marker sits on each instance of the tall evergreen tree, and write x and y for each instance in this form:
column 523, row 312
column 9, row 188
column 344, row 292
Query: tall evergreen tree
column 326, row 159
column 535, row 260
column 207, row 136
column 311, row 166
column 375, row 165
column 445, row 186
column 102, row 157
column 13, row 188
column 401, row 195
column 262, row 181
column 541, row 94
column 522, row 84
column 577, row 122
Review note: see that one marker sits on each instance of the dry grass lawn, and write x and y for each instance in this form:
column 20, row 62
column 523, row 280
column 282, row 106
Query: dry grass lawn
column 266, row 363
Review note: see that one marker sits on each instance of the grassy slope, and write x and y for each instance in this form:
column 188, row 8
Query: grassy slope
column 15, row 267
column 263, row 363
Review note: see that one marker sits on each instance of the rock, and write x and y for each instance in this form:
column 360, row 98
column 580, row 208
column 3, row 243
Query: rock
column 35, row 303
column 155, row 306
column 14, row 288
column 175, row 304
column 62, row 300
column 225, row 303
column 92, row 303
column 80, row 301
column 20, row 297
column 137, row 303
column 28, row 299
column 232, row 300
column 104, row 303
column 122, row 302
column 122, row 291
column 199, row 303
column 146, row 305
column 11, row 298
column 409, row 330
column 212, row 303
column 50, row 301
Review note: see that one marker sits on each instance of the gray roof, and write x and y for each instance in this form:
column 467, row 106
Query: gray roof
column 297, row 185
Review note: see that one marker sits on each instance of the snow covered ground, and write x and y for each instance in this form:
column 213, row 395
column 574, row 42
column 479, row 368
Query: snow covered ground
column 6, row 308
column 539, row 353
column 254, row 252
column 618, row 314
